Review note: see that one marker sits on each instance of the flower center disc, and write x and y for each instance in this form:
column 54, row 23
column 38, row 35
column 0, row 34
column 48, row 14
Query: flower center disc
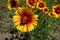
column 13, row 3
column 25, row 20
column 31, row 2
column 46, row 10
column 26, row 17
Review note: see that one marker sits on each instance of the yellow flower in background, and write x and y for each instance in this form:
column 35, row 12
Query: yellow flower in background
column 45, row 9
column 56, row 10
column 41, row 4
column 52, row 14
column 25, row 20
column 12, row 4
column 31, row 3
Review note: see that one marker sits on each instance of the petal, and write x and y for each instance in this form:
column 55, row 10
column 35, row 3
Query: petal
column 30, row 27
column 25, row 29
column 17, row 23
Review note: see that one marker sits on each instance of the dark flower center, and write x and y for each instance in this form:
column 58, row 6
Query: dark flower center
column 31, row 2
column 13, row 3
column 41, row 5
column 26, row 17
column 57, row 10
column 45, row 10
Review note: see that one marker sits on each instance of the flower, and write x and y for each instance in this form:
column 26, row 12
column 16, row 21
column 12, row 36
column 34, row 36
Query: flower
column 41, row 4
column 25, row 20
column 52, row 14
column 12, row 4
column 31, row 3
column 45, row 10
column 56, row 10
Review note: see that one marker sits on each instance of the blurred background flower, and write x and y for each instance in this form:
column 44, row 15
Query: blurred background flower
column 41, row 4
column 56, row 9
column 31, row 3
column 52, row 14
column 45, row 10
column 12, row 4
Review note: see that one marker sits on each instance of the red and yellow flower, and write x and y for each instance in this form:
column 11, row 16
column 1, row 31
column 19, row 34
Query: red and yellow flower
column 56, row 10
column 31, row 3
column 12, row 4
column 52, row 14
column 45, row 9
column 25, row 20
column 41, row 4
